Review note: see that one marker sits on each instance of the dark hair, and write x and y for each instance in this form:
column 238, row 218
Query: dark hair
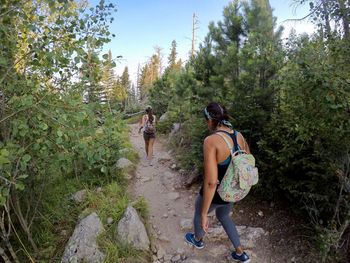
column 150, row 113
column 217, row 113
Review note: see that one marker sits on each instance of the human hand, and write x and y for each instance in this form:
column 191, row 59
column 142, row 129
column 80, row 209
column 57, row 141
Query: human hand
column 205, row 223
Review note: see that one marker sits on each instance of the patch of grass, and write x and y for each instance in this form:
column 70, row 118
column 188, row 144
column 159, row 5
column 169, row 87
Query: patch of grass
column 110, row 202
column 118, row 253
column 141, row 207
column 58, row 217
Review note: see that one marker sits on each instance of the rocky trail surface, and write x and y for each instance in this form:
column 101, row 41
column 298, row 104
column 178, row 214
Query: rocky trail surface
column 171, row 207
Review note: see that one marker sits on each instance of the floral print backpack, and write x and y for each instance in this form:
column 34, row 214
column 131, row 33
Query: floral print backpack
column 240, row 176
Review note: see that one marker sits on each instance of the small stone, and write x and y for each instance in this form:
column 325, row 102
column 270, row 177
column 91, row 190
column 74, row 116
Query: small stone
column 173, row 166
column 260, row 213
column 167, row 257
column 79, row 196
column 173, row 196
column 186, row 224
column 146, row 179
column 180, row 251
column 123, row 163
column 163, row 238
column 99, row 189
column 110, row 220
column 154, row 249
column 176, row 258
column 161, row 252
column 165, row 216
column 241, row 211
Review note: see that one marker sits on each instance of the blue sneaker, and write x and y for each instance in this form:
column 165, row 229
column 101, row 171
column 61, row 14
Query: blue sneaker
column 242, row 258
column 189, row 238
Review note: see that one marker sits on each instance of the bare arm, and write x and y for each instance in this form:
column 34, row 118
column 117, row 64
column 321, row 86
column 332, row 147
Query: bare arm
column 210, row 178
column 142, row 123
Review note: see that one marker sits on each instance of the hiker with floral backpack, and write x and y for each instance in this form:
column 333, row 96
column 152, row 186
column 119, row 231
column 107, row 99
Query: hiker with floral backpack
column 148, row 125
column 218, row 174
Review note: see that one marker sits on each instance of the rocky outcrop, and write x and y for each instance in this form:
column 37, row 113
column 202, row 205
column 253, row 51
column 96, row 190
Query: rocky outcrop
column 248, row 235
column 175, row 128
column 82, row 246
column 132, row 231
column 164, row 117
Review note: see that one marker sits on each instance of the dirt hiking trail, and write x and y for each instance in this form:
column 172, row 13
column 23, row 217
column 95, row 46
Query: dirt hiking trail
column 171, row 208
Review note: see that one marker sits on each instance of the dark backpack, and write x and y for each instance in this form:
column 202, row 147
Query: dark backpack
column 149, row 126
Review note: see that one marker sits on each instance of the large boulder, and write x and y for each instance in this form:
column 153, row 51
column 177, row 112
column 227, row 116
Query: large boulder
column 132, row 231
column 82, row 246
column 175, row 128
column 164, row 117
column 123, row 163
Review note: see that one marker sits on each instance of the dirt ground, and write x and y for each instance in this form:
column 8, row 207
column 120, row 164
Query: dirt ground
column 170, row 202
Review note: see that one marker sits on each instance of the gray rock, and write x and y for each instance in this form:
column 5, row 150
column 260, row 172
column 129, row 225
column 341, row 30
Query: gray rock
column 82, row 245
column 125, row 151
column 167, row 257
column 128, row 176
column 219, row 250
column 79, row 196
column 173, row 196
column 175, row 258
column 146, row 179
column 123, row 163
column 164, row 117
column 192, row 261
column 110, row 220
column 186, row 224
column 192, row 178
column 132, row 231
column 169, row 175
column 175, row 128
column 248, row 235
column 161, row 252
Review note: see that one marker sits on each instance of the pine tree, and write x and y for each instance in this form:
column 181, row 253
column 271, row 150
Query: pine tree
column 172, row 56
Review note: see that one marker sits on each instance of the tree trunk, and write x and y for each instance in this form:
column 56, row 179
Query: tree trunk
column 24, row 224
column 344, row 19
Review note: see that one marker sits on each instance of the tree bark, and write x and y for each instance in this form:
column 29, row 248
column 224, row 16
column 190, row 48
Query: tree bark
column 23, row 222
column 344, row 19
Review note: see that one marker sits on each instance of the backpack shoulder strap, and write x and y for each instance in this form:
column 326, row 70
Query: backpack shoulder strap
column 234, row 137
column 225, row 139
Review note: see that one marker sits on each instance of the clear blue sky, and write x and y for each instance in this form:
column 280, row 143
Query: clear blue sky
column 140, row 25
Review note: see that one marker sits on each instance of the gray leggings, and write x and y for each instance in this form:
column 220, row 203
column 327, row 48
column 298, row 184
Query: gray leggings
column 223, row 215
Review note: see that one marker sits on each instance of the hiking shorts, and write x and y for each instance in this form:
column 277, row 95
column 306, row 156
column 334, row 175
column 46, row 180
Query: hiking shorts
column 148, row 136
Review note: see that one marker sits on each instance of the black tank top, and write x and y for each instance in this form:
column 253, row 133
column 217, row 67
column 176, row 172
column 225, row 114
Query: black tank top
column 222, row 168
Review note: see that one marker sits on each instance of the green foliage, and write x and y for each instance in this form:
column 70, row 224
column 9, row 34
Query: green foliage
column 55, row 135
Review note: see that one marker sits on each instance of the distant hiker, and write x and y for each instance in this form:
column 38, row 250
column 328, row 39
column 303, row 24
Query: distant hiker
column 148, row 124
column 217, row 158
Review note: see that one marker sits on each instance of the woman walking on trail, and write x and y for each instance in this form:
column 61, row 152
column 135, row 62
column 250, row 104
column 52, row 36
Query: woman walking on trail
column 148, row 123
column 217, row 158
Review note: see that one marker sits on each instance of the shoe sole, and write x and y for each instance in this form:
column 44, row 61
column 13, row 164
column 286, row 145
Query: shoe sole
column 237, row 260
column 192, row 245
